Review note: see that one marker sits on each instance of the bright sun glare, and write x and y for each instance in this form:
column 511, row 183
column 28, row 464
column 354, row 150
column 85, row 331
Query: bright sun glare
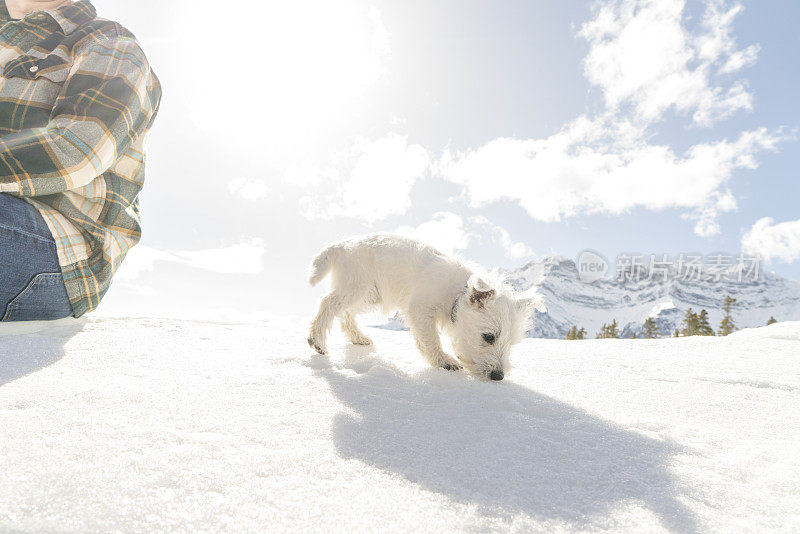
column 295, row 68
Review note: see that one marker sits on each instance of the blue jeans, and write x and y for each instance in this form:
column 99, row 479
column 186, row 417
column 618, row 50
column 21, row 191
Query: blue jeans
column 31, row 285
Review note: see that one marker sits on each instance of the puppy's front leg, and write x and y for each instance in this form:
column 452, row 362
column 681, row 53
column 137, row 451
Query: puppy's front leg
column 423, row 328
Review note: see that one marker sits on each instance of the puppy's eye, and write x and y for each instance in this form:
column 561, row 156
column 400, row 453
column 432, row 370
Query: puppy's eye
column 489, row 338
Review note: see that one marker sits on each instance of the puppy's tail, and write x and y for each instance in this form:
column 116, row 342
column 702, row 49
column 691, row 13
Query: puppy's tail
column 323, row 263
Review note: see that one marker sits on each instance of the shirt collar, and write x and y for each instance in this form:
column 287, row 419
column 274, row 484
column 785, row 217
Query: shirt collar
column 73, row 15
column 69, row 17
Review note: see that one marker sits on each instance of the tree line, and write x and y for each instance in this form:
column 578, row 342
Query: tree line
column 694, row 324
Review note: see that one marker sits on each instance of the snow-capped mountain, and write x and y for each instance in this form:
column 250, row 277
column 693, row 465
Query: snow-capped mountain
column 563, row 300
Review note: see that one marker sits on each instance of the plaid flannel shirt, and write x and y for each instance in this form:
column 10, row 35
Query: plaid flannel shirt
column 76, row 98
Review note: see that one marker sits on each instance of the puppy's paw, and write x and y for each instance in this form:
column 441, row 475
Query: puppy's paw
column 450, row 364
column 361, row 340
column 313, row 344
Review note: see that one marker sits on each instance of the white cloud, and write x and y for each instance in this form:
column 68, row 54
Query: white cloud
column 141, row 259
column 717, row 45
column 371, row 181
column 773, row 240
column 243, row 258
column 513, row 250
column 578, row 171
column 642, row 54
column 448, row 233
column 445, row 232
column 646, row 62
column 707, row 224
column 249, row 189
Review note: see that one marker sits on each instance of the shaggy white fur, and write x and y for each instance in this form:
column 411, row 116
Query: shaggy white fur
column 433, row 292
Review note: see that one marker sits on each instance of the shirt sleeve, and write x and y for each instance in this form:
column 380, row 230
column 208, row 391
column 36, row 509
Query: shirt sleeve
column 103, row 106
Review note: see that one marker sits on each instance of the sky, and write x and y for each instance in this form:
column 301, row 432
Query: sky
column 500, row 132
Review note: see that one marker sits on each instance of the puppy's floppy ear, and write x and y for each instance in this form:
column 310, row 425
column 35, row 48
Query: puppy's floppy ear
column 479, row 291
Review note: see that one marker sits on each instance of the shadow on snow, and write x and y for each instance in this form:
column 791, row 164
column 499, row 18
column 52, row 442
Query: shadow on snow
column 21, row 355
column 499, row 446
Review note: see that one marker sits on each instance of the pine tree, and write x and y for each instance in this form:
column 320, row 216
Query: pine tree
column 650, row 328
column 727, row 325
column 609, row 330
column 772, row 320
column 677, row 333
column 703, row 326
column 575, row 333
column 633, row 336
column 690, row 323
column 612, row 329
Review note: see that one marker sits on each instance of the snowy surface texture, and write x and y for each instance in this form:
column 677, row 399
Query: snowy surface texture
column 563, row 300
column 162, row 425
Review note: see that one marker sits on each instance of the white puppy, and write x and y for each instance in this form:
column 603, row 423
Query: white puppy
column 432, row 291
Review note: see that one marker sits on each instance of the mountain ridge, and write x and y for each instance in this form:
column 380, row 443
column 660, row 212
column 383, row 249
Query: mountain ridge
column 563, row 300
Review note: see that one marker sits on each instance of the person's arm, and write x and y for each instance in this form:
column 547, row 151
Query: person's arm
column 103, row 107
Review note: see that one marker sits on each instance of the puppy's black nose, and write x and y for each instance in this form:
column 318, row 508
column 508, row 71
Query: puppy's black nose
column 496, row 375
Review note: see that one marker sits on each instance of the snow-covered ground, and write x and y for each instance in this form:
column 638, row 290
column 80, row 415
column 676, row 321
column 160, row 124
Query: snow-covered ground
column 156, row 425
